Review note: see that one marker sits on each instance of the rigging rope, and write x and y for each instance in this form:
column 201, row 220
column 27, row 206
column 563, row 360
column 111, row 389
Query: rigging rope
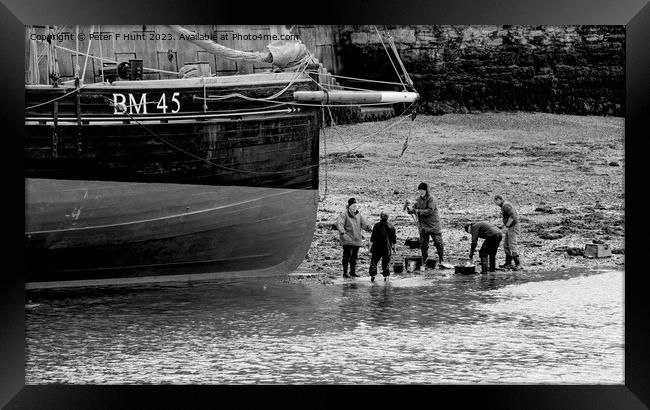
column 367, row 137
column 389, row 57
column 101, row 55
column 338, row 133
column 207, row 161
column 399, row 60
column 270, row 97
column 112, row 61
column 90, row 41
column 54, row 99
column 325, row 152
column 76, row 64
column 358, row 79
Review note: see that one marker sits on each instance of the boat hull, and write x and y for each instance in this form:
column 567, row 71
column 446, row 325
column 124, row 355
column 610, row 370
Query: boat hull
column 81, row 233
column 175, row 131
column 273, row 150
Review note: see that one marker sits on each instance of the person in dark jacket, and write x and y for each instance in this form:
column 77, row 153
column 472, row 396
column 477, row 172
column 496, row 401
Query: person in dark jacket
column 426, row 210
column 349, row 224
column 491, row 236
column 383, row 240
column 511, row 231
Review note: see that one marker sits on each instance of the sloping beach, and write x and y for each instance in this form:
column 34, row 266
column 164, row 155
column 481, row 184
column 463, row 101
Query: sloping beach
column 564, row 174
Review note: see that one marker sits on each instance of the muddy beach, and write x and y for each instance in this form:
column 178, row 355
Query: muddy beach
column 564, row 174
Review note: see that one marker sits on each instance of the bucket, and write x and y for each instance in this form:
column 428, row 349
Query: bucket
column 398, row 267
column 412, row 243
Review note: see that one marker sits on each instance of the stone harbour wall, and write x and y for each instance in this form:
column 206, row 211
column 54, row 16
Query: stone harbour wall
column 555, row 69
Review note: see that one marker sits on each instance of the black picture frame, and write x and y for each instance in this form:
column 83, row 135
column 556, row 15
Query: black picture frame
column 635, row 14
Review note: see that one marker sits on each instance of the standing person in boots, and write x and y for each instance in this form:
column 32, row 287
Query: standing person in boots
column 491, row 236
column 383, row 240
column 510, row 230
column 349, row 224
column 426, row 210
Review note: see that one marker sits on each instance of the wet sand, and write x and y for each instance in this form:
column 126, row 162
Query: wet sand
column 564, row 175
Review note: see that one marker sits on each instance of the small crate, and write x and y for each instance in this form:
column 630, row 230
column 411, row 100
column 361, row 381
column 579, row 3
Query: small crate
column 597, row 250
column 465, row 270
column 412, row 263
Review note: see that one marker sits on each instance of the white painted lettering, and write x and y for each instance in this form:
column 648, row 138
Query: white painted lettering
column 142, row 105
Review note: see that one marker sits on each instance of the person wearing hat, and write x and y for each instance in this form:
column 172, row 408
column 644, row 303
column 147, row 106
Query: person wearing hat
column 383, row 240
column 349, row 224
column 491, row 236
column 511, row 231
column 426, row 210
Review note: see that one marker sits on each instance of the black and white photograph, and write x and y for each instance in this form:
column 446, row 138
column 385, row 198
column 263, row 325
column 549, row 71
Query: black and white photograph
column 325, row 204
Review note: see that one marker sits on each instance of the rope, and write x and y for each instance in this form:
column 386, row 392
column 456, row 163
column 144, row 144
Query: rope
column 366, row 137
column 345, row 87
column 205, row 104
column 406, row 142
column 325, row 152
column 101, row 55
column 76, row 64
column 338, row 85
column 389, row 57
column 47, row 53
column 54, row 99
column 90, row 41
column 399, row 60
column 338, row 133
column 206, row 160
column 55, row 74
column 270, row 97
column 359, row 79
column 113, row 61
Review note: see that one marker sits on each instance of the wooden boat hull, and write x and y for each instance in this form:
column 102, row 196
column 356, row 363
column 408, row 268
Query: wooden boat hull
column 82, row 233
column 207, row 131
column 187, row 183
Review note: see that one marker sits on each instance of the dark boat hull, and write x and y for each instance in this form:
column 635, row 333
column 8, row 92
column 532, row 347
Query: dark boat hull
column 95, row 232
column 275, row 149
column 195, row 179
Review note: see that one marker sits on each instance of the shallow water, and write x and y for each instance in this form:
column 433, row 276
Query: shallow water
column 474, row 329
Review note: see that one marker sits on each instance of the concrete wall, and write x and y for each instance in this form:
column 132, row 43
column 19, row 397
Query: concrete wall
column 568, row 69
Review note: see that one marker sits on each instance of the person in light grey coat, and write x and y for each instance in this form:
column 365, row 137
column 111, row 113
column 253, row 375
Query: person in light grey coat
column 350, row 224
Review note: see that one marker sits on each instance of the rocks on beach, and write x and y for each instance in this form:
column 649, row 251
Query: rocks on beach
column 466, row 177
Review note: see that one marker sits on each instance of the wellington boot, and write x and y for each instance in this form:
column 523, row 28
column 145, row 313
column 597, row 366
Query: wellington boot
column 508, row 263
column 484, row 264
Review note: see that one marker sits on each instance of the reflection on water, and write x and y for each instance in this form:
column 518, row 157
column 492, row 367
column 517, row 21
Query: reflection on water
column 457, row 330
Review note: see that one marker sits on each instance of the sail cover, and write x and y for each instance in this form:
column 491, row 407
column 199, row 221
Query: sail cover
column 281, row 53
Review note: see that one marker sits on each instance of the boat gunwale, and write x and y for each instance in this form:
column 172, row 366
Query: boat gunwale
column 180, row 83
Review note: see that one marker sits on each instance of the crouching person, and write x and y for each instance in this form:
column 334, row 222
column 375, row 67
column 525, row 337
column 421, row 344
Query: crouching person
column 349, row 225
column 491, row 236
column 383, row 240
